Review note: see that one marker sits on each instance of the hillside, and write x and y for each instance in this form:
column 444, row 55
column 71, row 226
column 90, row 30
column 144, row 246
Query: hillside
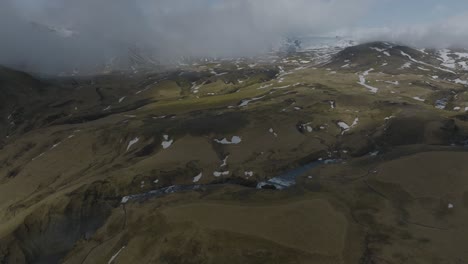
column 327, row 155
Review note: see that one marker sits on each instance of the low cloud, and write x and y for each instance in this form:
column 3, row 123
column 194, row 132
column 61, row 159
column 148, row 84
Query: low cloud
column 54, row 36
column 60, row 35
column 451, row 32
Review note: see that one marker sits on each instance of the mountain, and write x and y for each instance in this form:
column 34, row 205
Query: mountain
column 22, row 95
column 62, row 32
column 330, row 154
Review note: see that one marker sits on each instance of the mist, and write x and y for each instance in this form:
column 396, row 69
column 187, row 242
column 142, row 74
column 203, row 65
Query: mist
column 451, row 32
column 56, row 36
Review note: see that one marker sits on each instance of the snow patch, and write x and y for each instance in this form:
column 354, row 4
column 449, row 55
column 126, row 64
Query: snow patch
column 384, row 51
column 459, row 81
column 419, row 99
column 224, row 164
column 246, row 102
column 248, row 174
column 463, row 65
column 115, row 255
column 394, row 83
column 355, row 122
column 367, row 72
column 423, row 63
column 447, row 61
column 343, row 125
column 264, row 86
column 220, row 173
column 377, row 49
column 196, row 88
column 167, row 143
column 407, row 65
column 273, row 132
column 55, row 145
column 423, row 51
column 282, row 87
column 40, row 155
column 198, row 177
column 132, row 142
column 461, row 55
column 125, row 199
column 362, row 81
column 234, row 141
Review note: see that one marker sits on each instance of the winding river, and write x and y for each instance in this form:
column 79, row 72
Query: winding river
column 281, row 182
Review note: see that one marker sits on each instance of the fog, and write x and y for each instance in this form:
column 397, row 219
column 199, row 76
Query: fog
column 451, row 32
column 55, row 36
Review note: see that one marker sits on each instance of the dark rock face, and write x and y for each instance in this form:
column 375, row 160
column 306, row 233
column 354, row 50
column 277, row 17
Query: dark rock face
column 301, row 127
column 49, row 233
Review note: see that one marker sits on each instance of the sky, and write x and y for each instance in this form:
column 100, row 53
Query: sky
column 410, row 12
column 56, row 36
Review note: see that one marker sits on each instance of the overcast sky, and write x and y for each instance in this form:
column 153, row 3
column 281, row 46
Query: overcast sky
column 59, row 35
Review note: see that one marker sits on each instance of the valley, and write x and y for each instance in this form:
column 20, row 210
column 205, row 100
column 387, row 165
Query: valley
column 181, row 164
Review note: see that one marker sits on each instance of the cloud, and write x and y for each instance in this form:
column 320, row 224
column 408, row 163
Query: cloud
column 61, row 35
column 451, row 32
column 53, row 36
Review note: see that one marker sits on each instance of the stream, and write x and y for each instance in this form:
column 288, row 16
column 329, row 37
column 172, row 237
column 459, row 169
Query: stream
column 288, row 178
column 281, row 182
